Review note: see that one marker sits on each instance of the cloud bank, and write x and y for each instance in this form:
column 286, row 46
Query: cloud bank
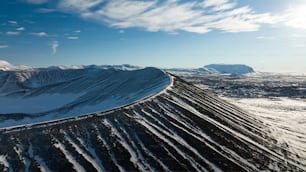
column 197, row 16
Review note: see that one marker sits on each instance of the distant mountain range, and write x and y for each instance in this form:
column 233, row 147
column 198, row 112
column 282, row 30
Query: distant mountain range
column 224, row 69
column 227, row 69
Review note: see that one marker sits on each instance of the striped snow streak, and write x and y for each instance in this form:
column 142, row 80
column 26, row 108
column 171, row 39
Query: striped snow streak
column 143, row 147
column 135, row 159
column 110, row 151
column 93, row 162
column 27, row 160
column 180, row 140
column 78, row 167
column 161, row 134
column 146, row 150
column 246, row 137
column 199, row 135
column 19, row 149
column 204, row 138
column 186, row 128
column 139, row 154
column 42, row 165
column 4, row 162
column 92, row 151
column 243, row 138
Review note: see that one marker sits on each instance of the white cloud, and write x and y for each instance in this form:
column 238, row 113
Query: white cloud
column 54, row 46
column 209, row 3
column 73, row 37
column 37, row 1
column 12, row 33
column 172, row 16
column 224, row 7
column 197, row 16
column 78, row 5
column 3, row 46
column 12, row 22
column 121, row 9
column 77, row 31
column 40, row 34
column 218, row 5
column 265, row 37
column 168, row 16
column 20, row 28
column 45, row 10
column 234, row 24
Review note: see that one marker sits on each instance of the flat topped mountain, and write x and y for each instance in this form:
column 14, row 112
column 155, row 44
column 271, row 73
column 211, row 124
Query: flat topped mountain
column 232, row 69
column 36, row 95
column 214, row 69
column 182, row 128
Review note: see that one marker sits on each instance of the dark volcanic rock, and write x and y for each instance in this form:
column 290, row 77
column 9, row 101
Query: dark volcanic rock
column 180, row 129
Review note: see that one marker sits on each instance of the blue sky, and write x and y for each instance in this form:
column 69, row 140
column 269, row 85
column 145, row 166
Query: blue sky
column 269, row 35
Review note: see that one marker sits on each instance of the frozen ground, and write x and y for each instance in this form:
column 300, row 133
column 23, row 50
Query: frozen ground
column 278, row 100
column 285, row 116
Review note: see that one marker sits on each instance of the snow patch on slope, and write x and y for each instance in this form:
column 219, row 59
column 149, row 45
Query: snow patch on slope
column 4, row 162
column 77, row 166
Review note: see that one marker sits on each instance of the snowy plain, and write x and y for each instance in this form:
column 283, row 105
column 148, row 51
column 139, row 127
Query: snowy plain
column 279, row 100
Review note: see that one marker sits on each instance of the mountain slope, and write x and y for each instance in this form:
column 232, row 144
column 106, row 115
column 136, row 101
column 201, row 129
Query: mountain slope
column 183, row 128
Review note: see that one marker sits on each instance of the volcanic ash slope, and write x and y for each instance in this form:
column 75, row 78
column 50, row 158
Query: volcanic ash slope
column 182, row 128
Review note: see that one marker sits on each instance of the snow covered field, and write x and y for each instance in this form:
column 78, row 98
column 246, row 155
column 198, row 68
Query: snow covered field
column 278, row 100
column 285, row 116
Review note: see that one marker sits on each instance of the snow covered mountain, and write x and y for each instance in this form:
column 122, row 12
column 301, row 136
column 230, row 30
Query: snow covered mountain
column 232, row 69
column 36, row 95
column 5, row 66
column 214, row 69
